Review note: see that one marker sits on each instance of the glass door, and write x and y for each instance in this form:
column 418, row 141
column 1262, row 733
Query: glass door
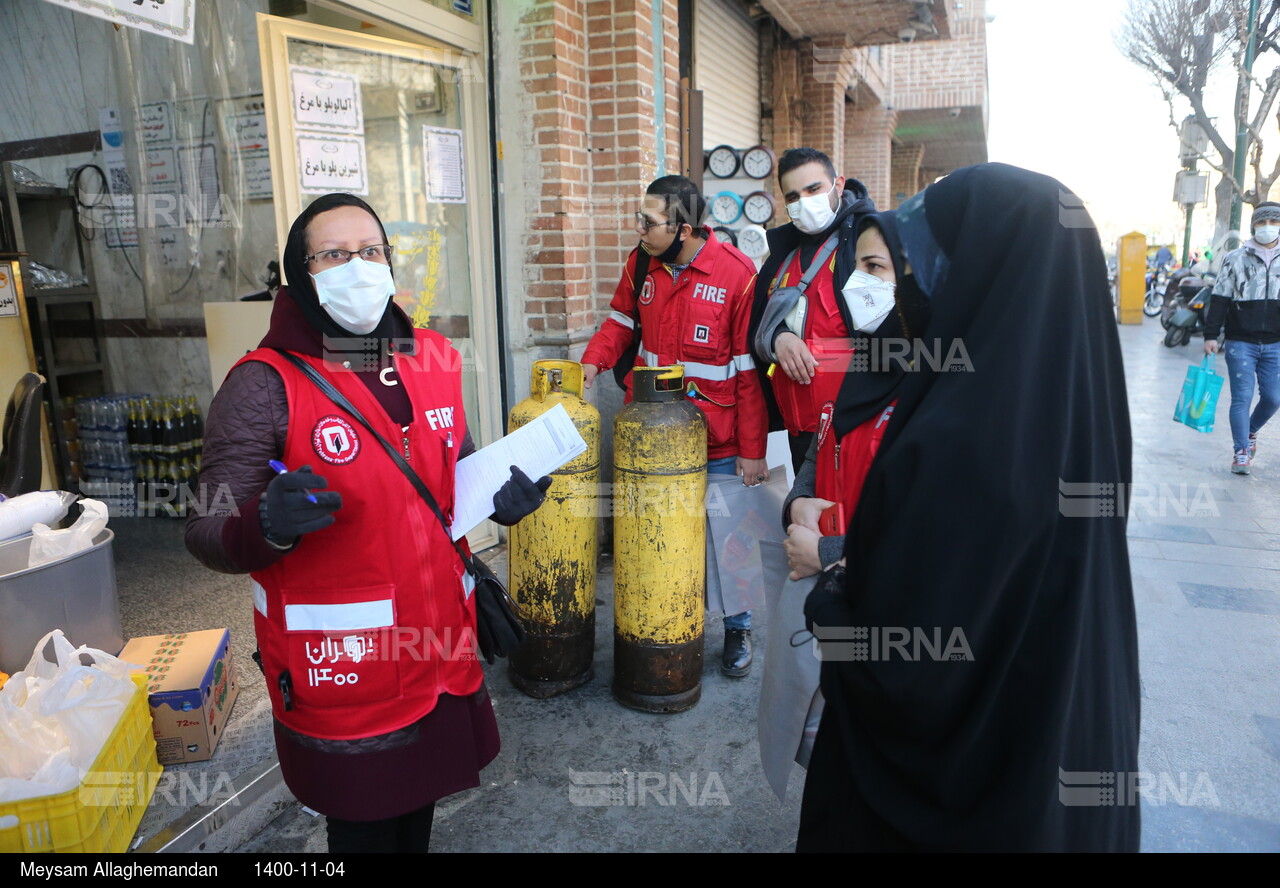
column 401, row 125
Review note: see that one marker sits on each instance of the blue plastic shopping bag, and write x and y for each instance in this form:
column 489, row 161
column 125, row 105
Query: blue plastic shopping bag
column 1199, row 399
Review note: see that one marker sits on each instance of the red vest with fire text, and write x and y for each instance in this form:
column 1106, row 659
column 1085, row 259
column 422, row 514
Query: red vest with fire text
column 367, row 621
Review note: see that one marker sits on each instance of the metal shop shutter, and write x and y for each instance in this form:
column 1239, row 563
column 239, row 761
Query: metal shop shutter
column 726, row 65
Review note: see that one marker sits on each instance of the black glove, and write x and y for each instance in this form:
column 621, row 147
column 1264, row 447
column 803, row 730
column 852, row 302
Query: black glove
column 519, row 497
column 827, row 602
column 288, row 512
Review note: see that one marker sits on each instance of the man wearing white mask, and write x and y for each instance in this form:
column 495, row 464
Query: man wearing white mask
column 1247, row 298
column 798, row 291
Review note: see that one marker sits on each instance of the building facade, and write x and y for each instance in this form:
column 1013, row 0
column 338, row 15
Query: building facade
column 506, row 144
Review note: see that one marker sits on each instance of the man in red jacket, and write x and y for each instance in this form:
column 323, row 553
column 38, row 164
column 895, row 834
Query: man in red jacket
column 693, row 308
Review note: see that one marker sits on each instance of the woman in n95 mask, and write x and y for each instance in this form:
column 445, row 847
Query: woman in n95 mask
column 363, row 609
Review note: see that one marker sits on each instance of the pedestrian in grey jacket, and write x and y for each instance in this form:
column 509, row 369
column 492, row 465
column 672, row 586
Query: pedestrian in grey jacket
column 1247, row 298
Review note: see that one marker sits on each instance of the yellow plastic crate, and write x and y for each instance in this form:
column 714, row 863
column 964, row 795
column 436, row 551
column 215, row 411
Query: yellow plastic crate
column 103, row 812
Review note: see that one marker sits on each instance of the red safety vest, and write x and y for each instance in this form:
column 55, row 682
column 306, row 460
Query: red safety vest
column 843, row 465
column 827, row 338
column 367, row 621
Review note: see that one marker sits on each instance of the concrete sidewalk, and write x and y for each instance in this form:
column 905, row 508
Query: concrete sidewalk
column 1205, row 549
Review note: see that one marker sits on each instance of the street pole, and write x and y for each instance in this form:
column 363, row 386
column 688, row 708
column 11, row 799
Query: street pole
column 1186, row 239
column 1242, row 132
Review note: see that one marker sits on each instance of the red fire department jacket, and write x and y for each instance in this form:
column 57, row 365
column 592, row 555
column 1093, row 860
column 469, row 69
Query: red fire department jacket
column 367, row 621
column 700, row 321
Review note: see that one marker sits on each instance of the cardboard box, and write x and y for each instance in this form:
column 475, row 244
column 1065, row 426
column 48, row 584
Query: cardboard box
column 192, row 684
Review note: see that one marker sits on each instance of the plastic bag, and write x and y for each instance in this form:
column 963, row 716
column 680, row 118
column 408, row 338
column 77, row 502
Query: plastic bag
column 21, row 513
column 52, row 545
column 56, row 716
column 1199, row 399
column 739, row 518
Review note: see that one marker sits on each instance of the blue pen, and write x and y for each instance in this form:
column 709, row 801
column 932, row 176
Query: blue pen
column 280, row 468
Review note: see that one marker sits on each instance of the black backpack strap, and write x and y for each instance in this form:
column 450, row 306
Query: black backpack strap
column 628, row 357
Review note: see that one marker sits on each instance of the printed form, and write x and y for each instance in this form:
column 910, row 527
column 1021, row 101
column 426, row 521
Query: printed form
column 538, row 448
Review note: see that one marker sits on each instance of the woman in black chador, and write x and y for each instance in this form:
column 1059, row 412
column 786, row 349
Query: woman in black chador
column 1008, row 720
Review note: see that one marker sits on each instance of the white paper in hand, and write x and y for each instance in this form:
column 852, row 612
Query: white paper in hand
column 539, row 448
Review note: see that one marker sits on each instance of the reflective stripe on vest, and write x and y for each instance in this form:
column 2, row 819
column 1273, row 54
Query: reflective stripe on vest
column 715, row 372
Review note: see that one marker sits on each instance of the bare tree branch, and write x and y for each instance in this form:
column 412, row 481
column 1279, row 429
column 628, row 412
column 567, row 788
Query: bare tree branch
column 1182, row 43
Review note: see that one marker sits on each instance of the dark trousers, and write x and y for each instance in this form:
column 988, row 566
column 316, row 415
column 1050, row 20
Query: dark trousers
column 408, row 833
column 799, row 448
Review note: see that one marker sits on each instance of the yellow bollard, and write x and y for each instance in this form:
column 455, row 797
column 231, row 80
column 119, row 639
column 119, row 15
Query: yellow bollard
column 1131, row 277
column 659, row 544
column 552, row 560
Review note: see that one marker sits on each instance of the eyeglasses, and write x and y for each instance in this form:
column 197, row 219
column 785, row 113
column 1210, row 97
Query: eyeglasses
column 643, row 225
column 373, row 253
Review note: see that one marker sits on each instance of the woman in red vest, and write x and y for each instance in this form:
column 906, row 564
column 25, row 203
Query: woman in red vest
column 362, row 607
column 851, row 426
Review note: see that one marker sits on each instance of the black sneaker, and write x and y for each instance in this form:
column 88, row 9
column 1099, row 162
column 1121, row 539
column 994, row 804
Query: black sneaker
column 736, row 661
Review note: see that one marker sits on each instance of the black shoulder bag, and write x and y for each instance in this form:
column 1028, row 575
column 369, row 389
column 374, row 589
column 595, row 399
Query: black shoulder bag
column 628, row 358
column 499, row 629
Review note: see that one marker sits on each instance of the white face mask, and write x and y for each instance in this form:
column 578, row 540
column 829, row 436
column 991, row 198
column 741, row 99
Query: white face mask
column 869, row 300
column 1267, row 234
column 812, row 214
column 355, row 294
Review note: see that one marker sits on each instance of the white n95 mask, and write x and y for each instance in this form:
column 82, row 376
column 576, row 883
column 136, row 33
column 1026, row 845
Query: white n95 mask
column 355, row 294
column 869, row 300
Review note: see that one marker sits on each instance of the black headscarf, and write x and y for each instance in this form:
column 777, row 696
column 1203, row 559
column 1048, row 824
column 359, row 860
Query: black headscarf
column 873, row 379
column 962, row 524
column 302, row 289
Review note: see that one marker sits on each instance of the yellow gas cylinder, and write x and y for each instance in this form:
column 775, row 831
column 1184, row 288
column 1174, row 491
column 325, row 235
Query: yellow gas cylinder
column 659, row 544
column 552, row 558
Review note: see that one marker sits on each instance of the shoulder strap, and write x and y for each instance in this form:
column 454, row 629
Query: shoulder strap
column 637, row 283
column 327, row 388
column 828, row 247
column 824, row 253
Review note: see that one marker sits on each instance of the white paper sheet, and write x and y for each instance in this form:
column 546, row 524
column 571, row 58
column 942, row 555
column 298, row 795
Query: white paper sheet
column 539, row 448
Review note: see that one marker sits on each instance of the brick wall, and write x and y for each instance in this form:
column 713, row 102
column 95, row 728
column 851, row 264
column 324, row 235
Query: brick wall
column 905, row 175
column 944, row 73
column 581, row 145
column 868, row 148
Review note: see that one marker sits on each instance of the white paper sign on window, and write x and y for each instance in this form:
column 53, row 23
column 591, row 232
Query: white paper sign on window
column 331, row 163
column 157, row 122
column 257, row 174
column 248, row 131
column 443, row 165
column 174, row 19
column 162, row 168
column 323, row 100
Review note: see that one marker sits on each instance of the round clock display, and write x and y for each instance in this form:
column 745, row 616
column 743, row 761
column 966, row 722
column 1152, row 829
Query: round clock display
column 758, row 162
column 726, row 207
column 723, row 161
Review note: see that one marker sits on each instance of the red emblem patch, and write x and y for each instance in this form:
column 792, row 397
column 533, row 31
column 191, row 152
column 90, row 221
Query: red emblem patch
column 335, row 440
column 646, row 292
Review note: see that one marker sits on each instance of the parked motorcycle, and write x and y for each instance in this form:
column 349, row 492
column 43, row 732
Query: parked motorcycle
column 1157, row 281
column 1183, row 316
